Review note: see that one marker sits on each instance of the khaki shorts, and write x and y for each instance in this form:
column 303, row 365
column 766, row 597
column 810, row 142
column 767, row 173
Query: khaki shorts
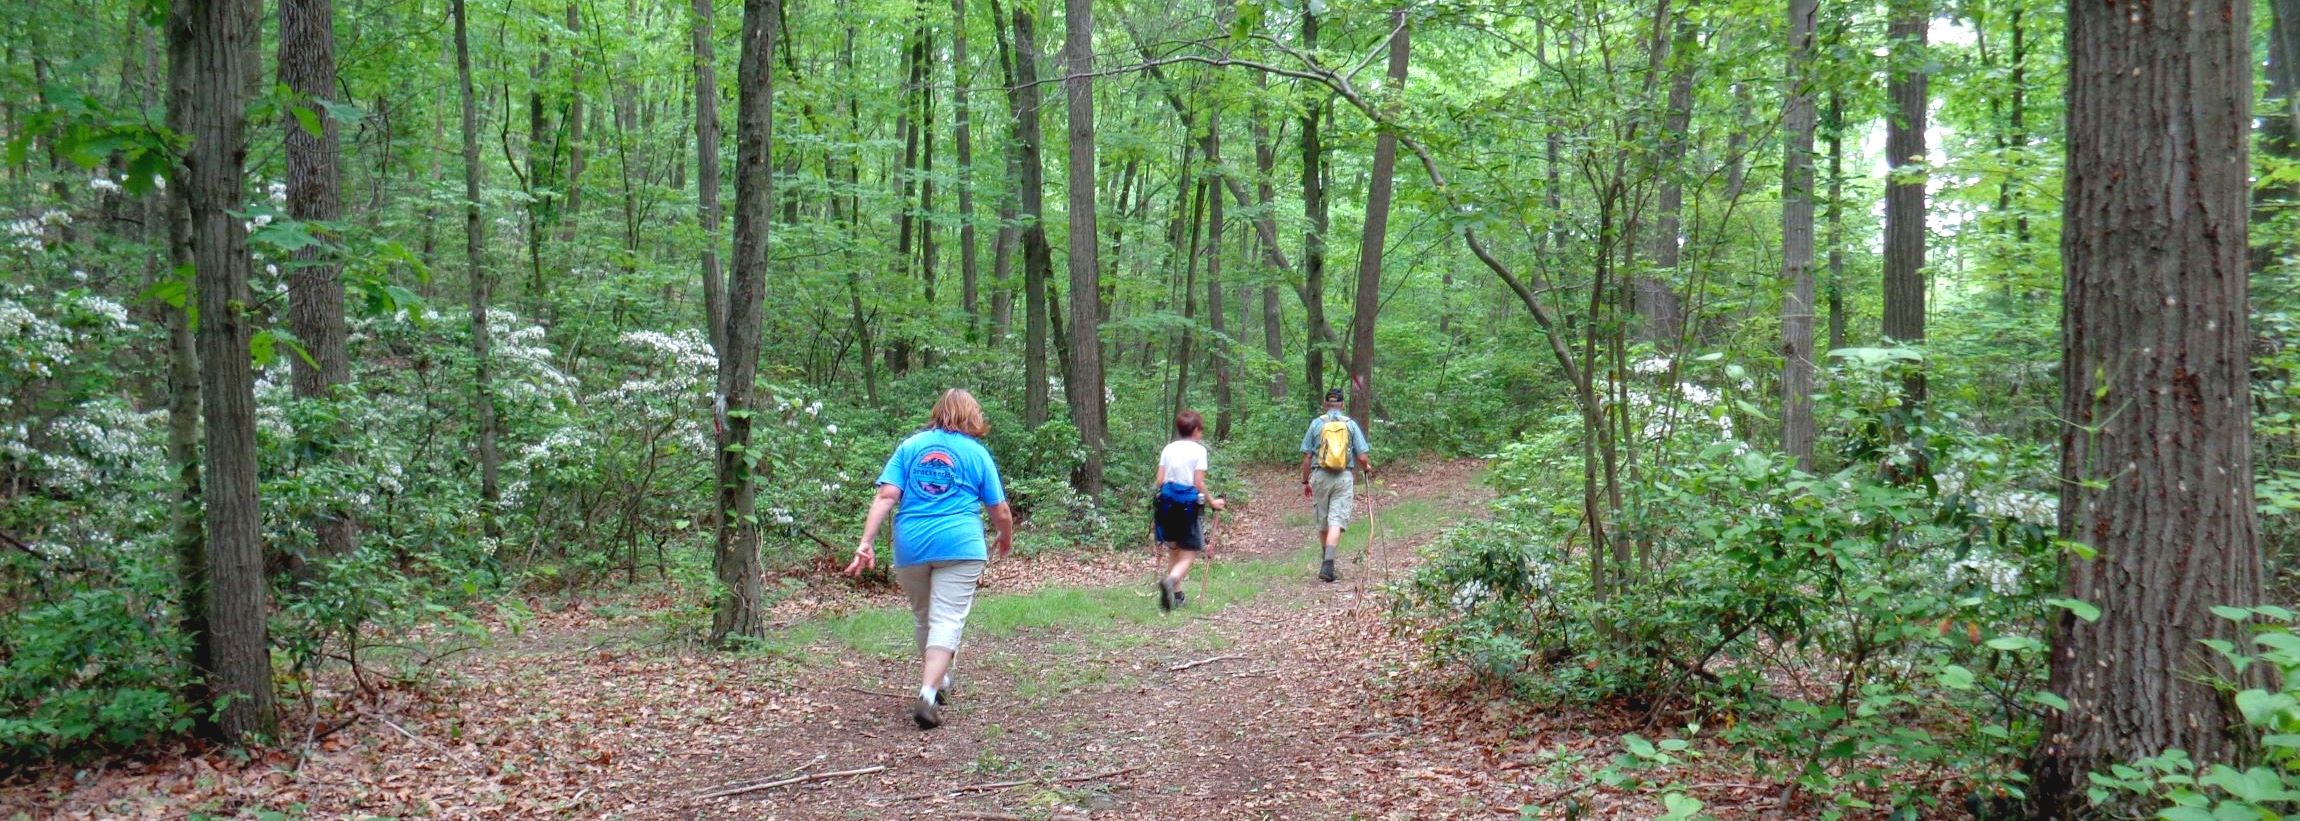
column 1332, row 495
column 940, row 595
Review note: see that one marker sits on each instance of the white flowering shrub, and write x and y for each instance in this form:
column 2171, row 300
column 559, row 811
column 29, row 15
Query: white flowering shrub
column 1823, row 611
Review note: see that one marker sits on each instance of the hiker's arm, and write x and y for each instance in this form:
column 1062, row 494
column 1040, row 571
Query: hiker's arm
column 1002, row 521
column 865, row 557
column 1366, row 466
column 1305, row 472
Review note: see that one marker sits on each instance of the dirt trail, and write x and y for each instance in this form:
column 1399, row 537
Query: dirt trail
column 1281, row 698
column 1252, row 710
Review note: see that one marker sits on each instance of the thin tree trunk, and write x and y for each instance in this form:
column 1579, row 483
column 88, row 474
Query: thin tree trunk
column 907, row 128
column 1659, row 309
column 1266, row 195
column 707, row 172
column 315, row 291
column 929, row 266
column 1905, row 191
column 1373, row 240
column 1037, row 258
column 231, row 595
column 740, row 609
column 1836, row 131
column 474, row 258
column 1182, row 351
column 2156, row 452
column 571, row 214
column 1797, row 430
column 1084, row 386
column 1218, row 347
column 962, row 139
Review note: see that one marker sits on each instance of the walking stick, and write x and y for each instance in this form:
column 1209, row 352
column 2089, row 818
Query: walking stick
column 1206, row 561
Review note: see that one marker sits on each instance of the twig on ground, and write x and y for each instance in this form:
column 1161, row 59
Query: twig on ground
column 1000, row 785
column 450, row 754
column 1008, row 816
column 1187, row 665
column 870, row 692
column 785, row 782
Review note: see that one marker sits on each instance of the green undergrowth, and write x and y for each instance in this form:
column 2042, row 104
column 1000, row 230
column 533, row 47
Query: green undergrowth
column 1096, row 611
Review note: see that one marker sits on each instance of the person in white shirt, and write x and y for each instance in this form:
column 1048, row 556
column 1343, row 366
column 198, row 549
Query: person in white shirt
column 1181, row 499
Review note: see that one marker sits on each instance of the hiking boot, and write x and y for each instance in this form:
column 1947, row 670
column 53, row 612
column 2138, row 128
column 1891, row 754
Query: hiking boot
column 1326, row 570
column 942, row 693
column 927, row 713
column 1181, row 597
column 1165, row 595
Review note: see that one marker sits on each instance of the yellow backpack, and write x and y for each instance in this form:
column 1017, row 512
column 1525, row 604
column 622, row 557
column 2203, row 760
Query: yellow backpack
column 1334, row 444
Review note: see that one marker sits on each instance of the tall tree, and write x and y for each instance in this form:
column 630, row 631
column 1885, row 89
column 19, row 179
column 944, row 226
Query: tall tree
column 189, row 537
column 1218, row 346
column 1905, row 191
column 1797, row 429
column 475, row 261
column 1373, row 239
column 1037, row 258
column 707, row 171
column 1314, row 217
column 740, row 606
column 1083, row 388
column 235, row 646
column 1658, row 308
column 962, row 139
column 1835, row 128
column 2156, row 446
column 315, row 289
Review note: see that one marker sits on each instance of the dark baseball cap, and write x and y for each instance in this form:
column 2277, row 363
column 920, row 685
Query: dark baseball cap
column 1334, row 396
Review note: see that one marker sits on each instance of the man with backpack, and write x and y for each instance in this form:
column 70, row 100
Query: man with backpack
column 1332, row 443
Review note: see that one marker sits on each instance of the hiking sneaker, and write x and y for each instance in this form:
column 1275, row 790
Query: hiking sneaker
column 1166, row 595
column 1326, row 570
column 1181, row 597
column 942, row 693
column 927, row 712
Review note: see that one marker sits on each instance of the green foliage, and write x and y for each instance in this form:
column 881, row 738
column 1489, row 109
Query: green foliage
column 2173, row 787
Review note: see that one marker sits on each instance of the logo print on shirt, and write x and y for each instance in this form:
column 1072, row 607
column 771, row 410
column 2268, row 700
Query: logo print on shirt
column 936, row 473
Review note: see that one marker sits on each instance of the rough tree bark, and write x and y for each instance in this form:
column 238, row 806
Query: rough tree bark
column 1797, row 241
column 1659, row 311
column 315, row 289
column 1083, row 388
column 474, row 259
column 740, row 606
column 189, row 537
column 2156, row 455
column 1314, row 214
column 231, row 596
column 1368, row 300
column 707, row 172
column 1905, row 191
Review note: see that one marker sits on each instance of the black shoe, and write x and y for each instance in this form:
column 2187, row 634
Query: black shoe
column 1181, row 597
column 1165, row 595
column 1326, row 570
column 942, row 694
column 927, row 713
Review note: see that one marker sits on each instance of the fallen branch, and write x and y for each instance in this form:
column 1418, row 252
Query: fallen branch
column 1187, row 665
column 796, row 779
column 1008, row 816
column 1001, row 785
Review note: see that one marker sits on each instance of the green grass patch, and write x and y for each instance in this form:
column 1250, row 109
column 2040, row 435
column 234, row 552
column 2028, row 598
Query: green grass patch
column 1100, row 613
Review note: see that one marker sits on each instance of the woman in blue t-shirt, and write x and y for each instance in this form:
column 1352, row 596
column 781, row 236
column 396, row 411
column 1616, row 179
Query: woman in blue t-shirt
column 942, row 477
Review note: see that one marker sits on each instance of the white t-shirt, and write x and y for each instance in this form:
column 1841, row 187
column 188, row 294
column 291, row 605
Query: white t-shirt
column 1180, row 462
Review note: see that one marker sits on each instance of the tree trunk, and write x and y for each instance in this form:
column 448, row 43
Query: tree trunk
column 231, row 594
column 2156, row 456
column 740, row 609
column 1905, row 191
column 571, row 212
column 1659, row 311
column 907, row 128
column 1314, row 216
column 189, row 539
column 1266, row 195
column 1371, row 242
column 1797, row 429
column 1217, row 347
column 474, row 258
column 315, row 291
column 707, row 172
column 929, row 266
column 1083, row 389
column 962, row 139
column 1182, row 352
column 1037, row 258
column 1836, row 129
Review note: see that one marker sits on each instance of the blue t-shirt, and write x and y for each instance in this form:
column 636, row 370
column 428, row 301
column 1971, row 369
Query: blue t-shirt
column 946, row 479
column 1357, row 437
